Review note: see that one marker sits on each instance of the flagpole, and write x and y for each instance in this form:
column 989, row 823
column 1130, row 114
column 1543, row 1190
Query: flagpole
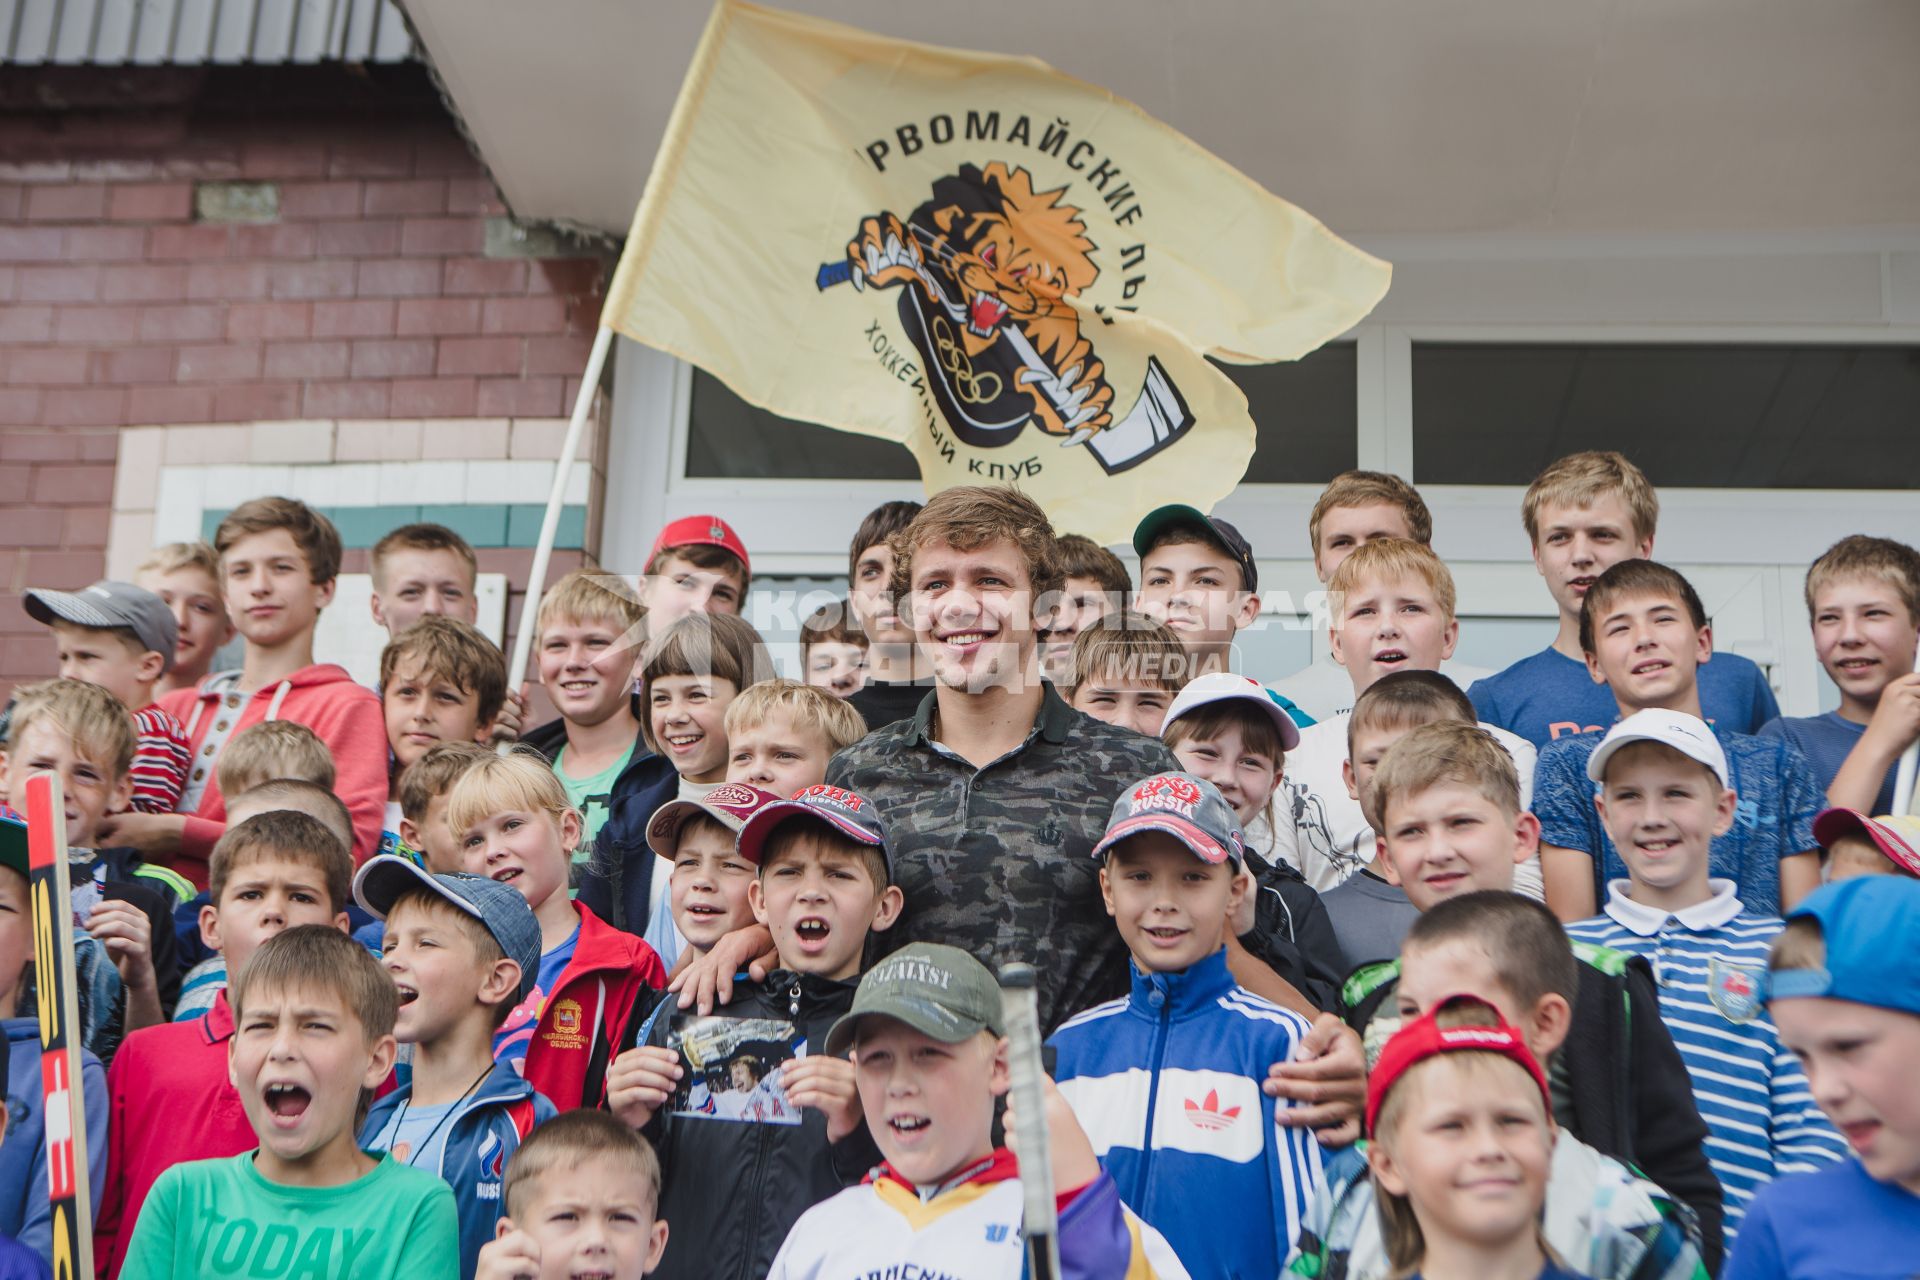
column 550, row 523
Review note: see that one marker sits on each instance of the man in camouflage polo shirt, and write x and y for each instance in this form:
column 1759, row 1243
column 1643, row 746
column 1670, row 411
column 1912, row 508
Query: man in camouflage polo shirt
column 996, row 791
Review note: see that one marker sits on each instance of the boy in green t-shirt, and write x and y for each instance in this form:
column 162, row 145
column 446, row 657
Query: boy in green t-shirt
column 313, row 1037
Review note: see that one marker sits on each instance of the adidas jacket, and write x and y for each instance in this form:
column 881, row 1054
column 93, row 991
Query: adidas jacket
column 486, row 1129
column 1167, row 1085
column 968, row 1229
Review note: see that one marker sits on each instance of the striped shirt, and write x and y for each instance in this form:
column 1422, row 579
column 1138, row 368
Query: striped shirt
column 1709, row 960
column 161, row 759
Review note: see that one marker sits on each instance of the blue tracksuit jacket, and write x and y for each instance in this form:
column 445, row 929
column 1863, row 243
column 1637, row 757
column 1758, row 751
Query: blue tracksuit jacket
column 1167, row 1084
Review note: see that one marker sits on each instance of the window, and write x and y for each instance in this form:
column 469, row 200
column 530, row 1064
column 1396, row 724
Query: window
column 731, row 439
column 1692, row 415
column 1306, row 412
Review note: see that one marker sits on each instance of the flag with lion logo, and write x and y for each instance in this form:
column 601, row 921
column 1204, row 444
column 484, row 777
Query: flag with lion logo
column 1014, row 273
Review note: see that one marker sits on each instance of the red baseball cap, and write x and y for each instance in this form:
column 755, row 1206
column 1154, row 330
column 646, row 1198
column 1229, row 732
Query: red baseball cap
column 1897, row 837
column 701, row 531
column 1424, row 1038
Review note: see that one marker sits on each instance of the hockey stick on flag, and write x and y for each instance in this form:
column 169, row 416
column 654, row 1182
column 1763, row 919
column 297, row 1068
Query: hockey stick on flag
column 68, row 1186
column 1040, row 1222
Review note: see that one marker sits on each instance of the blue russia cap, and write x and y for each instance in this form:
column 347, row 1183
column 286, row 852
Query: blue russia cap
column 1871, row 925
column 848, row 812
column 1189, row 809
column 498, row 907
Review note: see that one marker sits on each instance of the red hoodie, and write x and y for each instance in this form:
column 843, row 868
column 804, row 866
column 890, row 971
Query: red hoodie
column 346, row 717
column 585, row 1017
column 170, row 1100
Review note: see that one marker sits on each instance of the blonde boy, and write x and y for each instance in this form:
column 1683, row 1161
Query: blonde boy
column 1451, row 825
column 780, row 735
column 314, row 1037
column 582, row 1197
column 423, row 570
column 833, row 650
column 1126, row 669
column 440, row 681
column 1358, row 507
column 515, row 826
column 1664, row 794
column 1863, row 596
column 1584, row 514
column 173, row 1097
column 186, row 576
column 588, row 650
column 280, row 561
column 122, row 638
column 83, row 734
column 1392, row 605
column 273, row 749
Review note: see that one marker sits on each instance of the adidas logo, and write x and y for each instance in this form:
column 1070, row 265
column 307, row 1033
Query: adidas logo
column 1206, row 1114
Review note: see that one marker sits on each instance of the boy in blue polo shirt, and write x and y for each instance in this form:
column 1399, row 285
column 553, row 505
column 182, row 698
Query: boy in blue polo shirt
column 1646, row 634
column 1664, row 795
column 1844, row 989
column 1172, row 856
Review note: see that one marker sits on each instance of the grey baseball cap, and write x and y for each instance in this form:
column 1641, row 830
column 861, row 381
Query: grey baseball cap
column 110, row 604
column 937, row 990
column 1189, row 809
column 499, row 907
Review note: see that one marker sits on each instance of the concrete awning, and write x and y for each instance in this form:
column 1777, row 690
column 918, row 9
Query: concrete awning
column 1379, row 116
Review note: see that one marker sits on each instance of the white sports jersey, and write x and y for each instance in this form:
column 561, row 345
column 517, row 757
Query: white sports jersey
column 968, row 1230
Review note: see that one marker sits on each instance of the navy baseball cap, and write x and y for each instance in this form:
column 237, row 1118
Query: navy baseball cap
column 1189, row 809
column 1870, row 924
column 1222, row 535
column 847, row 812
column 111, row 604
column 499, row 907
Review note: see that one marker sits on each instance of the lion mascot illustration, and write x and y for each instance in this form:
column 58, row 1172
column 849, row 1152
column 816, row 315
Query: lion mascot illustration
column 990, row 263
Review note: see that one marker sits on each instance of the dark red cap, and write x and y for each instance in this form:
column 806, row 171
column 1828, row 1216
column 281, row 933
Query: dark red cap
column 1424, row 1038
column 848, row 812
column 701, row 531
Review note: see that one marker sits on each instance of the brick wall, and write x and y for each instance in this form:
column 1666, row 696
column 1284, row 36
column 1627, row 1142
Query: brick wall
column 369, row 296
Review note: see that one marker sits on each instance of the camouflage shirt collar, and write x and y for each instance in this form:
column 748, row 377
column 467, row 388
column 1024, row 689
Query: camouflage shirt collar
column 1053, row 723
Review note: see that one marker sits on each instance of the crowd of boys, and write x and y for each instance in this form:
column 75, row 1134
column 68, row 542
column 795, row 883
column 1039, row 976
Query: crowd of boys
column 696, row 979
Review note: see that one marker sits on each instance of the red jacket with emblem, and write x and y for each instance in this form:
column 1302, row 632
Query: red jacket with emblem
column 169, row 1100
column 586, row 1014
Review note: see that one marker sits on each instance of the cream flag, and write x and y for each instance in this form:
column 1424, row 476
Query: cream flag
column 1012, row 272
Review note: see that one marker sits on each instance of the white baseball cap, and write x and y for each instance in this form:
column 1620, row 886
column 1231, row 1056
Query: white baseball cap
column 1221, row 686
column 1689, row 735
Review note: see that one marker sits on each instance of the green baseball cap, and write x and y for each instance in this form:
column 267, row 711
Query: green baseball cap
column 939, row 991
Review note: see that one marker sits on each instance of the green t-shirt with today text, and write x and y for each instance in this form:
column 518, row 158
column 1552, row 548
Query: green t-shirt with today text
column 222, row 1218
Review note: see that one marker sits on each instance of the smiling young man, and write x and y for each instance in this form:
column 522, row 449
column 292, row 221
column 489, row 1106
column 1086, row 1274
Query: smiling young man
column 1645, row 635
column 997, row 791
column 1584, row 514
column 1358, row 507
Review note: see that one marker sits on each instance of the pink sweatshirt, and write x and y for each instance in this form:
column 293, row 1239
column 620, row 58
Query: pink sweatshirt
column 346, row 717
